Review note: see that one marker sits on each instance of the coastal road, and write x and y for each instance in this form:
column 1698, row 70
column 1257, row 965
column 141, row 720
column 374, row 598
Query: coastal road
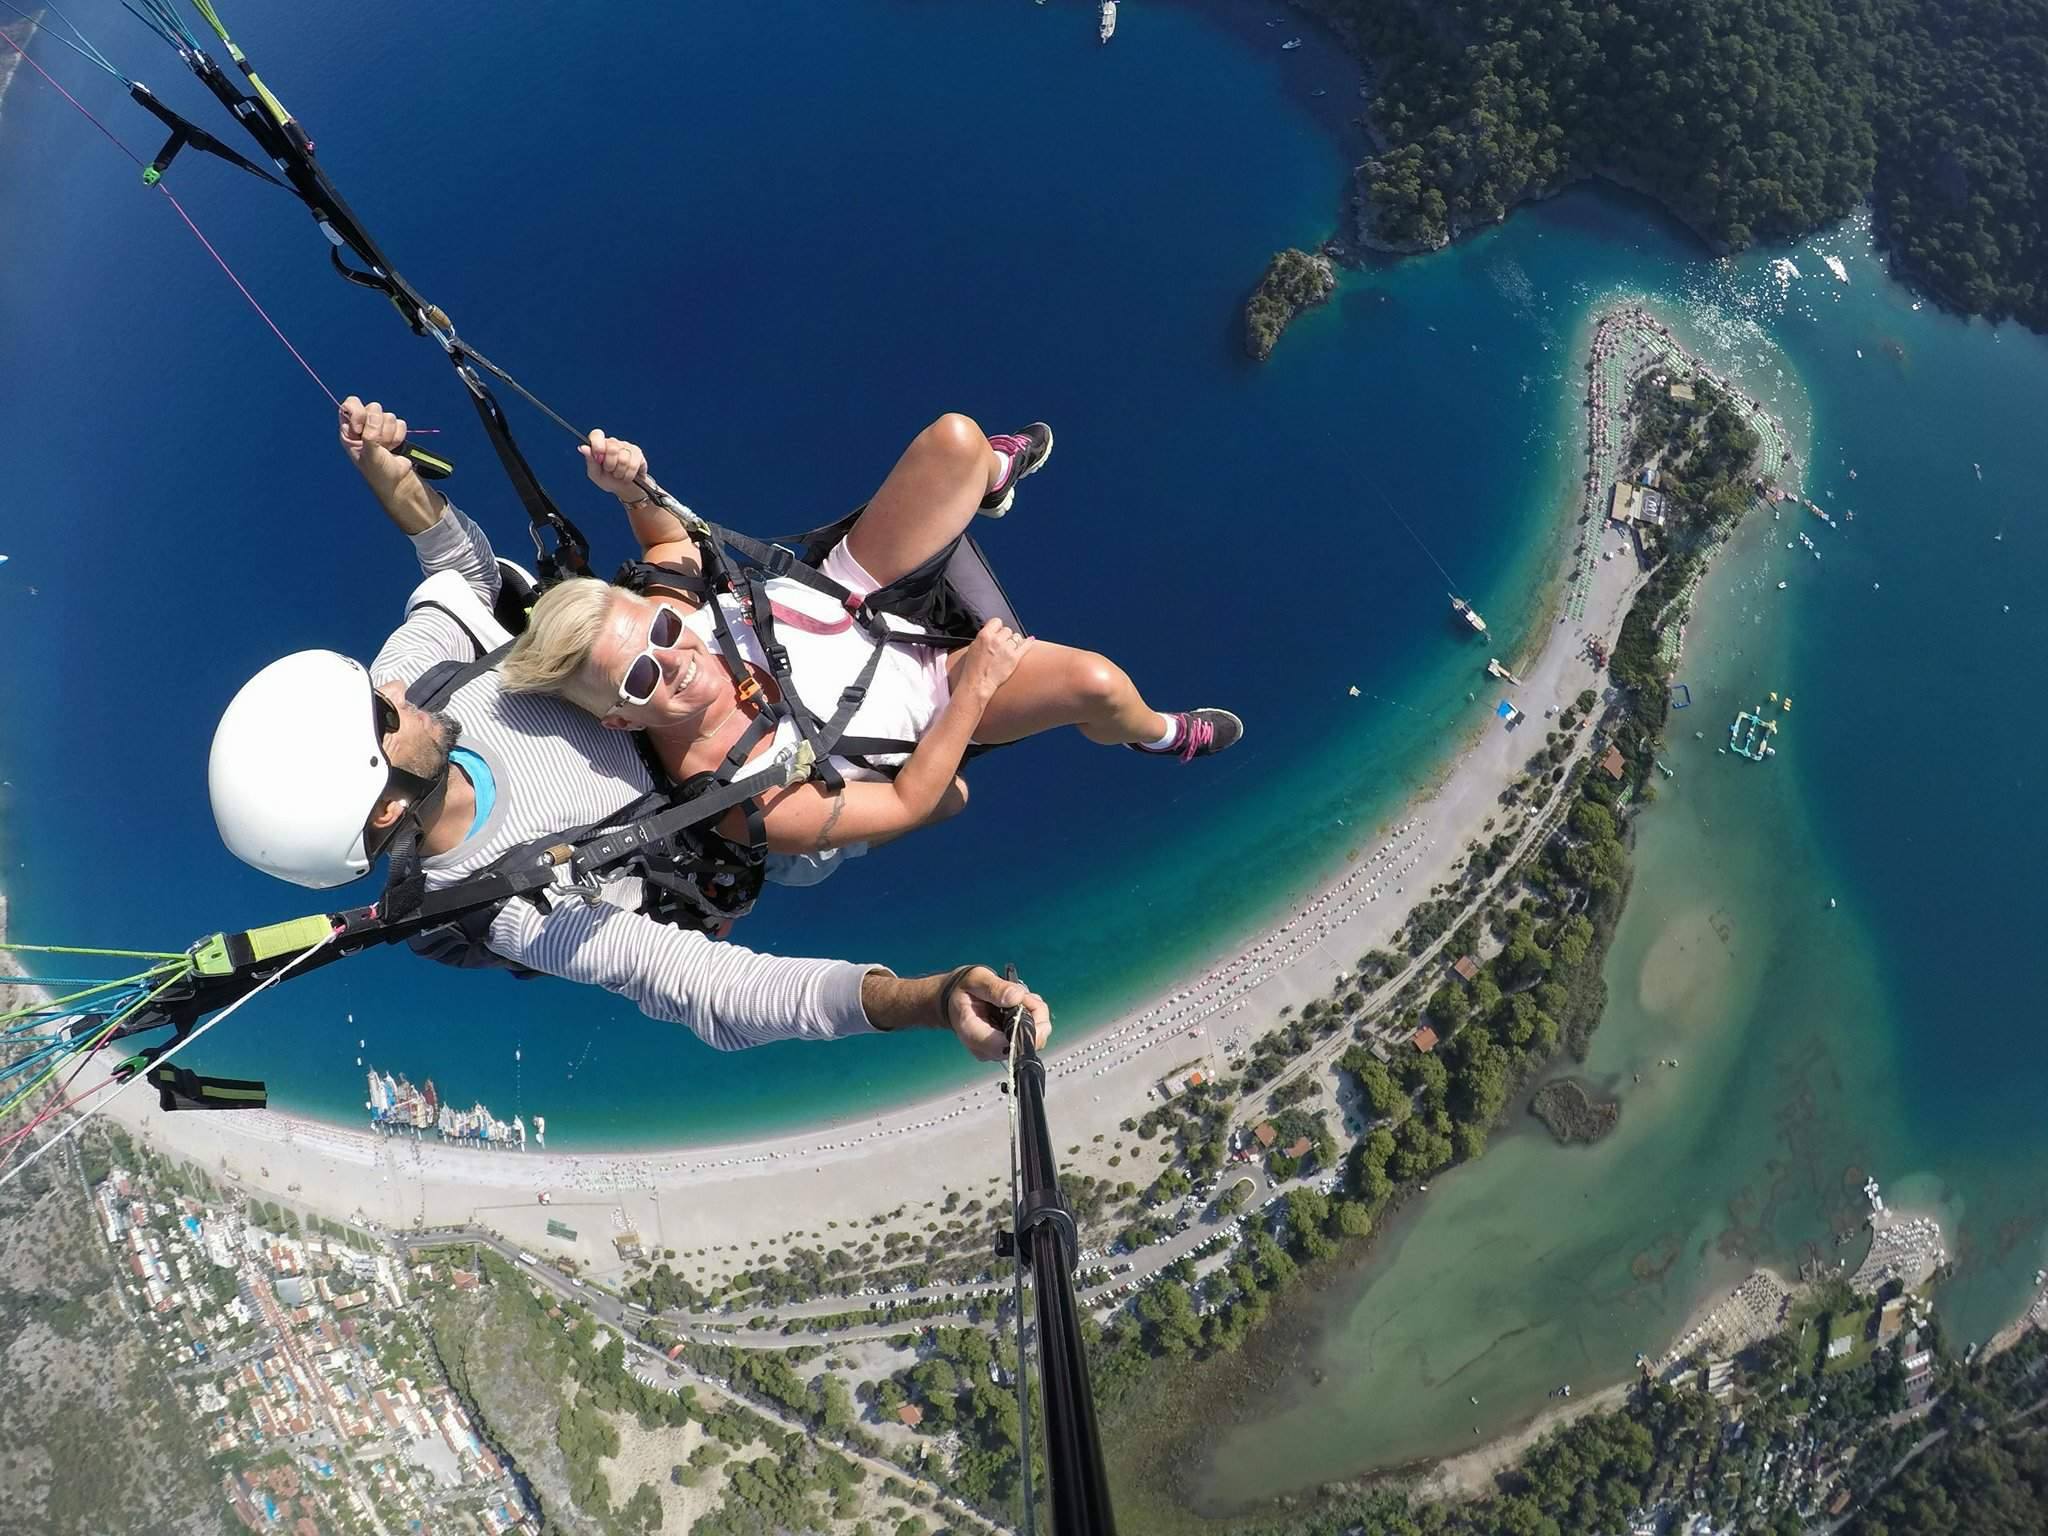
column 1145, row 1264
column 720, row 1328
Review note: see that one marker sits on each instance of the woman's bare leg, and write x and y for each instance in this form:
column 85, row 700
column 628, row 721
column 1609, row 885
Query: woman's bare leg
column 1056, row 685
column 928, row 500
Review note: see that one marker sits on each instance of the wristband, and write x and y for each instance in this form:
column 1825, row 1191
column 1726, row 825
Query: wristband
column 637, row 501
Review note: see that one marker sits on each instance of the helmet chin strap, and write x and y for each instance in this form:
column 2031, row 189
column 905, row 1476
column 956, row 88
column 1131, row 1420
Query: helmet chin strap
column 405, row 882
column 419, row 800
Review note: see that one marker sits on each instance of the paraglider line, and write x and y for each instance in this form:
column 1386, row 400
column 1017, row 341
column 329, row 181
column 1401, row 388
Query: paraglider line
column 180, row 207
column 88, row 53
column 262, row 313
column 78, row 1122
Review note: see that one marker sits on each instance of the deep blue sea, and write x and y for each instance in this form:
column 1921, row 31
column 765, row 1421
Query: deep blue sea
column 771, row 243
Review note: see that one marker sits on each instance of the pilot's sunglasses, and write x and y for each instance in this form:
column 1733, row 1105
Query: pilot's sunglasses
column 644, row 675
column 383, row 713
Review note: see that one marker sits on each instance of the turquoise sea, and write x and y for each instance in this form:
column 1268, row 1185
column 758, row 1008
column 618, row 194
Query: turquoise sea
column 1826, row 944
column 772, row 242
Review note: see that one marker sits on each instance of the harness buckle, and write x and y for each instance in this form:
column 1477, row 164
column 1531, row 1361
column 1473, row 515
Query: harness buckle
column 747, row 690
column 800, row 761
column 781, row 558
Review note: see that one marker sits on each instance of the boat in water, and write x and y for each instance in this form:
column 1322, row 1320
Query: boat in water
column 1108, row 28
column 1468, row 613
column 1290, row 45
column 396, row 1107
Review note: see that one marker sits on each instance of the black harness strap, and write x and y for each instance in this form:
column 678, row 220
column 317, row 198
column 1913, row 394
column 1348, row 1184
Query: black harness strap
column 183, row 133
column 640, row 575
column 439, row 683
column 763, row 724
column 475, row 640
column 763, row 611
column 179, row 1088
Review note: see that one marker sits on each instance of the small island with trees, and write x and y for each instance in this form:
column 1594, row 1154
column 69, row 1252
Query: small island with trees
column 1571, row 1113
column 1294, row 280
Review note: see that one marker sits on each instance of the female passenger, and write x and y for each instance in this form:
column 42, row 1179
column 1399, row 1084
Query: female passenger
column 649, row 661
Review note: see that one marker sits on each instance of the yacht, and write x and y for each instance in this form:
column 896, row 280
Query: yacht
column 1290, row 45
column 1469, row 614
column 1108, row 28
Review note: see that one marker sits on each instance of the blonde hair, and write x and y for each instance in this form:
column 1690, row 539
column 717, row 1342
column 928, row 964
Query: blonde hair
column 553, row 654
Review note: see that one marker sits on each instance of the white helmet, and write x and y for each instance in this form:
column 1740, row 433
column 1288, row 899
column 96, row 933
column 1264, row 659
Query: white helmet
column 297, row 766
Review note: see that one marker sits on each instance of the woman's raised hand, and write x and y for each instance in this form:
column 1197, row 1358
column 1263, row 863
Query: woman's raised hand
column 615, row 465
column 991, row 659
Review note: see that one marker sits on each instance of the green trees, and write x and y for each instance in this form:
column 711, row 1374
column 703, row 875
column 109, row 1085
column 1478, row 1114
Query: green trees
column 1350, row 1218
column 1366, row 1172
column 1270, row 1262
column 835, row 1404
column 1382, row 1094
column 1747, row 127
column 586, row 1437
column 1574, row 940
column 1169, row 1186
column 1419, row 1149
column 1449, row 1007
column 1962, row 133
column 1168, row 1312
column 642, row 1512
column 1749, row 119
column 1294, row 280
column 1592, row 822
column 1481, row 1078
column 1307, row 1218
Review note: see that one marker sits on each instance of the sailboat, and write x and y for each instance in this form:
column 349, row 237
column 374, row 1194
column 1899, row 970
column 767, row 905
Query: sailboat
column 1468, row 613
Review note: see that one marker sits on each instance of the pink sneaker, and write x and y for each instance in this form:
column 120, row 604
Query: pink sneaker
column 1199, row 733
column 1028, row 451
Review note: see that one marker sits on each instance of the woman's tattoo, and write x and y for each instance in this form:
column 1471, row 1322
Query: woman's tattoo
column 831, row 818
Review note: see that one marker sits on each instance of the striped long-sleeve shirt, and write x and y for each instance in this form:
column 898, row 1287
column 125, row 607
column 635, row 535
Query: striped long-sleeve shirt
column 554, row 768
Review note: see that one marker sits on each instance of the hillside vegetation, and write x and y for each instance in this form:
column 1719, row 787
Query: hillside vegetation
column 91, row 1438
column 1749, row 119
